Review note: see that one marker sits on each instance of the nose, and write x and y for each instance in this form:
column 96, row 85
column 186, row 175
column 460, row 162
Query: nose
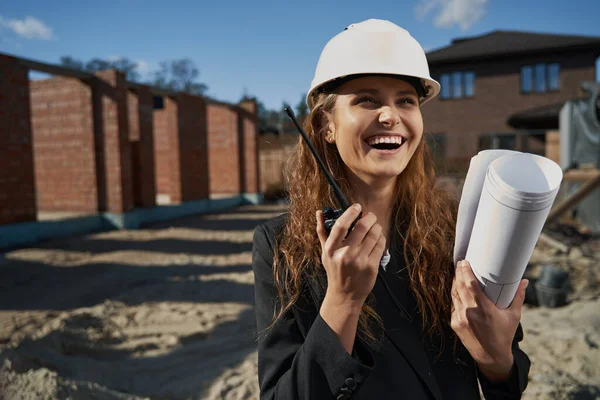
column 389, row 117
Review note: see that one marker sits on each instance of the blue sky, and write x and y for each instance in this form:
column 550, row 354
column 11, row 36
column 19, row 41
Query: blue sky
column 265, row 48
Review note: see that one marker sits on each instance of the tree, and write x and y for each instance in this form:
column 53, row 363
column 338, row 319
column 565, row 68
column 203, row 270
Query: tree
column 179, row 76
column 70, row 62
column 302, row 110
column 97, row 64
column 126, row 66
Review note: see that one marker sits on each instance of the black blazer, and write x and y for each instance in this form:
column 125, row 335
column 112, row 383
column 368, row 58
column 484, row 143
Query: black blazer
column 302, row 358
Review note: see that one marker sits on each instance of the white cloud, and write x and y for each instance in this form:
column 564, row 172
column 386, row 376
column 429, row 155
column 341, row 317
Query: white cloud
column 464, row 13
column 29, row 28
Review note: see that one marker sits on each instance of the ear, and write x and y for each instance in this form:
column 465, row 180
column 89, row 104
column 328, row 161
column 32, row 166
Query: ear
column 328, row 122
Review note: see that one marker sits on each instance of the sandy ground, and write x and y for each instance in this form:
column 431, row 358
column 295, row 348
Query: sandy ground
column 166, row 312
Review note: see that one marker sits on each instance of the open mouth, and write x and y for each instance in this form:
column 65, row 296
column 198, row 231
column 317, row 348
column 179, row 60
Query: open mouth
column 385, row 143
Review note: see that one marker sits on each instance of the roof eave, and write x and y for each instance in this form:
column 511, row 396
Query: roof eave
column 515, row 54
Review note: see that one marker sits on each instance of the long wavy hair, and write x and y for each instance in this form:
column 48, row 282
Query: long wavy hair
column 423, row 215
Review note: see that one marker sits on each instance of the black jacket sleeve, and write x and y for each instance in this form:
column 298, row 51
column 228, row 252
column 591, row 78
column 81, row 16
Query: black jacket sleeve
column 292, row 364
column 517, row 382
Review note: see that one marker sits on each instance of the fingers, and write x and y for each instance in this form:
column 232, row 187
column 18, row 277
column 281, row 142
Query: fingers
column 342, row 225
column 469, row 288
column 377, row 252
column 456, row 299
column 321, row 228
column 462, row 286
column 365, row 233
column 517, row 304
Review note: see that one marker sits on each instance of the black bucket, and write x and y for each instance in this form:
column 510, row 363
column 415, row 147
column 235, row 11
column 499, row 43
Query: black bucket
column 552, row 287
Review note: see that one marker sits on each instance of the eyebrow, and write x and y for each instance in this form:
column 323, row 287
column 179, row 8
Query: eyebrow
column 375, row 92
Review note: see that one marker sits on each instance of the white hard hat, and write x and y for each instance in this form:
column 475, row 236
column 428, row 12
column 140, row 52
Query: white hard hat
column 373, row 46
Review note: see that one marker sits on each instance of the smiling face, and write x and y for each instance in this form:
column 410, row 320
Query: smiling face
column 376, row 125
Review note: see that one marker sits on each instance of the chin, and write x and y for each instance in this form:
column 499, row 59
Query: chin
column 388, row 174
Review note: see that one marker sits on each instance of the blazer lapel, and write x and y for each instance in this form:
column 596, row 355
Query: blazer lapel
column 400, row 330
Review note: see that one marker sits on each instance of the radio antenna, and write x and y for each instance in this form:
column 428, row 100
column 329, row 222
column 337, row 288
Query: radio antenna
column 344, row 203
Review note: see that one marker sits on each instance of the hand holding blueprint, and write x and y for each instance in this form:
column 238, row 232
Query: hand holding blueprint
column 504, row 204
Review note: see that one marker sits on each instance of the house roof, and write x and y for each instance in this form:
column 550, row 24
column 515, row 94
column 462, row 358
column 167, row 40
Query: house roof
column 504, row 43
column 542, row 117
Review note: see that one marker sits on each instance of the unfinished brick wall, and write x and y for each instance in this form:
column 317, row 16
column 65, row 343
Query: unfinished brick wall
column 17, row 182
column 224, row 162
column 141, row 139
column 248, row 134
column 193, row 147
column 113, row 153
column 63, row 140
column 181, row 149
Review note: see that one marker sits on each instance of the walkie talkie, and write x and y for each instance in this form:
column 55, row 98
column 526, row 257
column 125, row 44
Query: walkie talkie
column 330, row 214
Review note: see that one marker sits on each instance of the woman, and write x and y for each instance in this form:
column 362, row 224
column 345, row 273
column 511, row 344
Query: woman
column 379, row 311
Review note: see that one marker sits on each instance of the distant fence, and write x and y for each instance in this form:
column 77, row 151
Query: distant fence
column 272, row 163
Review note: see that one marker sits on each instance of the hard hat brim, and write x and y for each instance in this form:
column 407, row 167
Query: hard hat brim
column 430, row 86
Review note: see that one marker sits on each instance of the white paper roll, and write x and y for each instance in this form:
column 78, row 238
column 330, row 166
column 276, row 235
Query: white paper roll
column 517, row 194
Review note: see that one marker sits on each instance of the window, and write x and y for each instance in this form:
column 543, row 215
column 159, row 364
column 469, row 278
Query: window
column 445, row 83
column 469, row 82
column 456, row 85
column 158, row 103
column 505, row 141
column 553, row 77
column 540, row 78
column 526, row 79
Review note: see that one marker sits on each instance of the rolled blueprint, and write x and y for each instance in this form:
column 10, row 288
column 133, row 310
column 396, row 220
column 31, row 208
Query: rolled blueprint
column 469, row 200
column 518, row 192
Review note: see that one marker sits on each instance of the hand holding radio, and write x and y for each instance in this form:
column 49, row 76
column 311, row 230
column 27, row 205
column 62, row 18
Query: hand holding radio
column 351, row 256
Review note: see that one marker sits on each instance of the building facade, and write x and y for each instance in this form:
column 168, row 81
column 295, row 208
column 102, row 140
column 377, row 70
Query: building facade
column 492, row 83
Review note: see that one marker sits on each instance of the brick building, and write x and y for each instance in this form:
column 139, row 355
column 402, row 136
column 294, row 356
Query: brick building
column 504, row 90
column 95, row 143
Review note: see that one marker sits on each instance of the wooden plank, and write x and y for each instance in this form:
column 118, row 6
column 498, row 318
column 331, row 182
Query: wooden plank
column 589, row 186
column 546, row 239
column 54, row 69
column 581, row 175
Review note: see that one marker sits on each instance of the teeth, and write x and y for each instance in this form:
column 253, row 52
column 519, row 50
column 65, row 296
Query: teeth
column 385, row 139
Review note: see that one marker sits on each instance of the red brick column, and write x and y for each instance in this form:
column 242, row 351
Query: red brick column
column 112, row 145
column 223, row 148
column 248, row 133
column 141, row 137
column 166, row 153
column 181, row 149
column 63, row 141
column 193, row 147
column 17, row 182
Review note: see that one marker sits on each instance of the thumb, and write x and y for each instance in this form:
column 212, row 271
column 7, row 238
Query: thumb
column 321, row 229
column 517, row 303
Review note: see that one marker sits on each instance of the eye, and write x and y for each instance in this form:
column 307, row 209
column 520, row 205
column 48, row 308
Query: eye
column 366, row 100
column 407, row 101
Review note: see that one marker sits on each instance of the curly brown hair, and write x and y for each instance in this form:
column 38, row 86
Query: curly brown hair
column 427, row 213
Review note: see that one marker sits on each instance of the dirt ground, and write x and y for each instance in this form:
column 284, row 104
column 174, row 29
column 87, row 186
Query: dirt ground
column 166, row 312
